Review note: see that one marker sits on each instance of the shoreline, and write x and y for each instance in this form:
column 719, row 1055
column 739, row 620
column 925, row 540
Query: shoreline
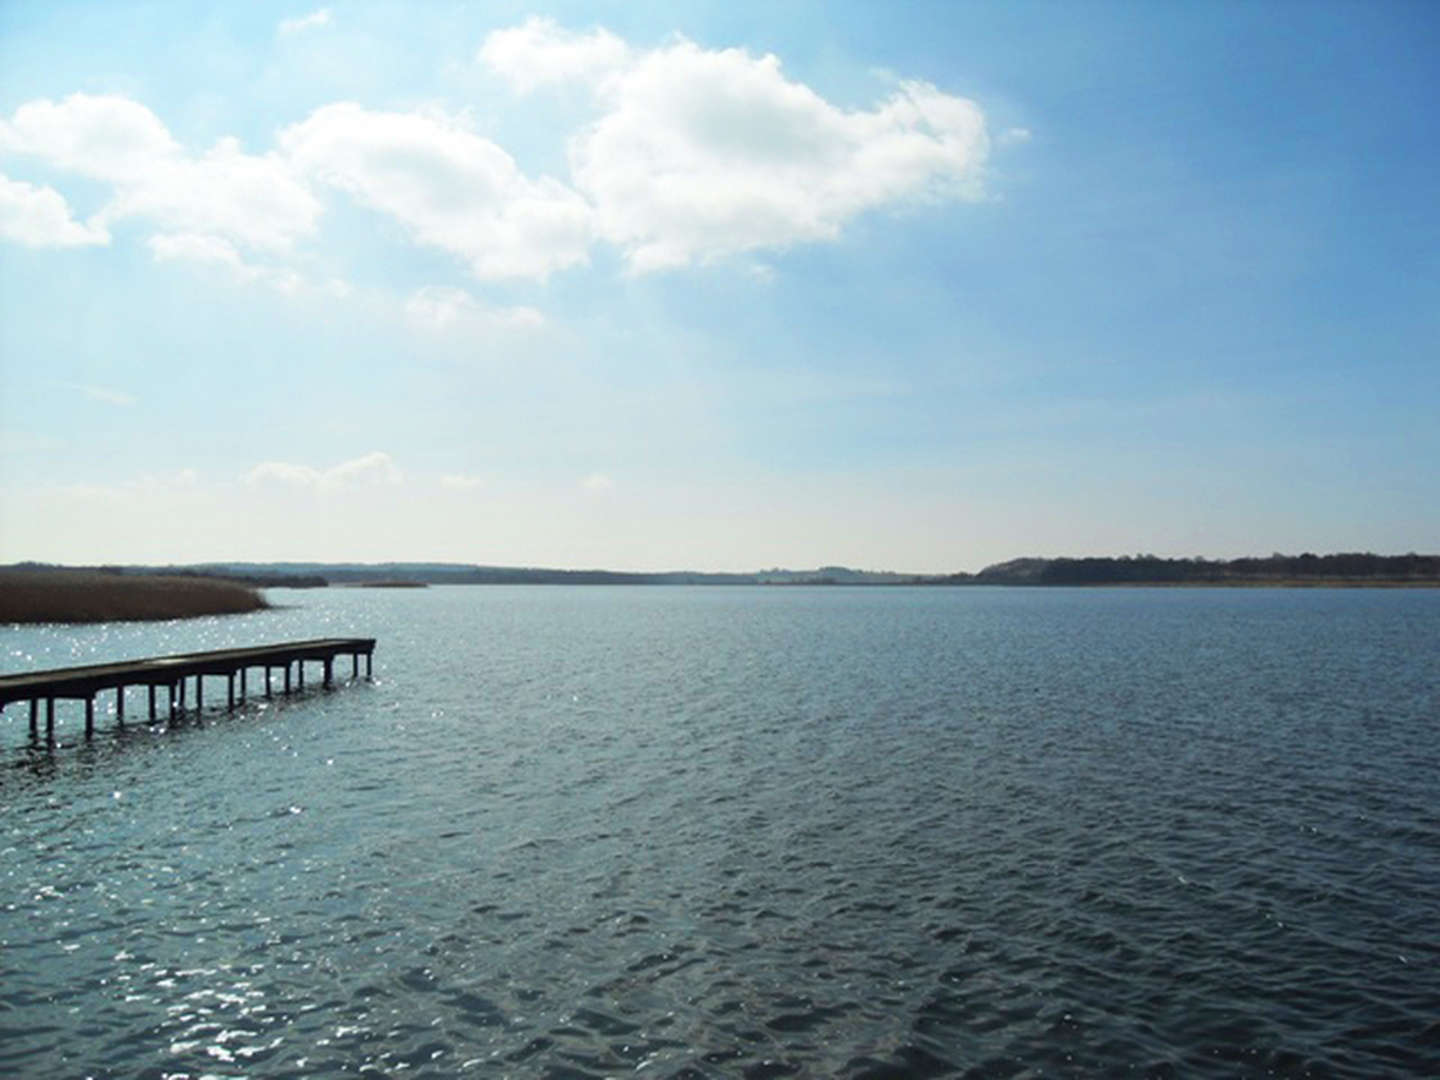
column 1237, row 583
column 38, row 593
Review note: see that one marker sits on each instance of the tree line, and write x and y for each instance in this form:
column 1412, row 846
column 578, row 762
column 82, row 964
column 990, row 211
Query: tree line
column 1151, row 569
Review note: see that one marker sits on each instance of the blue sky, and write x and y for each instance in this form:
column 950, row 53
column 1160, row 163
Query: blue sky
column 708, row 286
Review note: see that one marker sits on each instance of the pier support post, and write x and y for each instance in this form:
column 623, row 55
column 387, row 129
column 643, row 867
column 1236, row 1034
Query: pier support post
column 89, row 684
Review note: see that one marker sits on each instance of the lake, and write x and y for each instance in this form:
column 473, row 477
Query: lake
column 744, row 831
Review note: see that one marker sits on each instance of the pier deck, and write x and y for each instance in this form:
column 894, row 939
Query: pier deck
column 171, row 672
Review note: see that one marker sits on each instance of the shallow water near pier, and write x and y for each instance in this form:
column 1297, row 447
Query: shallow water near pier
column 756, row 832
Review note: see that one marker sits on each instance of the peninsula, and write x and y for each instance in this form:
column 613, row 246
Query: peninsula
column 61, row 595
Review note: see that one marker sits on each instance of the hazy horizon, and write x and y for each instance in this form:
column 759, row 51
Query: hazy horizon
column 717, row 287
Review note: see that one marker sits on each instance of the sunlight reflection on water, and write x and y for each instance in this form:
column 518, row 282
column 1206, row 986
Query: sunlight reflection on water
column 864, row 832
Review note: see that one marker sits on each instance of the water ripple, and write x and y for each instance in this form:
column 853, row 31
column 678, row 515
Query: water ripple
column 754, row 832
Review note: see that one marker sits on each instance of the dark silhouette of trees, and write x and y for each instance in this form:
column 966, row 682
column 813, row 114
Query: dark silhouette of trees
column 1151, row 570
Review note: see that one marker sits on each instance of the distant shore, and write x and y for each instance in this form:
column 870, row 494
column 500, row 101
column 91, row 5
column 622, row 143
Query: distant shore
column 1277, row 583
column 1343, row 570
column 40, row 592
column 82, row 596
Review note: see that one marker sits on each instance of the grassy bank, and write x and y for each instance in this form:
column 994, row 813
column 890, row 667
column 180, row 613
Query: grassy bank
column 75, row 596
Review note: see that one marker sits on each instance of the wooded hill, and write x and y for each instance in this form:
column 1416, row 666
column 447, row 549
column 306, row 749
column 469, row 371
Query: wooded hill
column 1307, row 569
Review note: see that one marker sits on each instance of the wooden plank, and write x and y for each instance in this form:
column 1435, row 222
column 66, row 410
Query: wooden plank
column 80, row 682
column 171, row 672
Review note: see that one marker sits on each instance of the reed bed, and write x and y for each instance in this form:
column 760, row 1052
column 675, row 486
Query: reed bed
column 77, row 596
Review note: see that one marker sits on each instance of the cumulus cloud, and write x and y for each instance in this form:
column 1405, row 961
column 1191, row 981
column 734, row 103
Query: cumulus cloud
column 219, row 252
column 705, row 154
column 701, row 153
column 453, row 189
column 693, row 154
column 106, row 137
column 40, row 217
column 441, row 308
column 369, row 470
column 197, row 248
column 252, row 200
column 540, row 52
column 305, row 22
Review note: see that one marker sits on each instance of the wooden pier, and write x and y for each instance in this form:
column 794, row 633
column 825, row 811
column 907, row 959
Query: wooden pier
column 171, row 673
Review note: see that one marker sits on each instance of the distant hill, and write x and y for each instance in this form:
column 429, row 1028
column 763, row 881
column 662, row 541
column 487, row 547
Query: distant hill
column 1307, row 569
column 256, row 575
column 469, row 574
column 835, row 575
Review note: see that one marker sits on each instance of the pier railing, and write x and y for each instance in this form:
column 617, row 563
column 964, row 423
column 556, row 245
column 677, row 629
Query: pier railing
column 172, row 672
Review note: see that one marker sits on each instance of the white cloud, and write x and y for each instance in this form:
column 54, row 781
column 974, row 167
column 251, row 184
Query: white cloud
column 253, row 200
column 372, row 469
column 702, row 153
column 694, row 154
column 597, row 484
column 1015, row 136
column 105, row 394
column 453, row 189
column 39, row 217
column 217, row 251
column 461, row 482
column 105, row 137
column 540, row 51
column 305, row 22
column 441, row 308
column 198, row 248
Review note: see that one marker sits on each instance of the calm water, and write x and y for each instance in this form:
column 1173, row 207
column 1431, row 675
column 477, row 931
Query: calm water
column 746, row 832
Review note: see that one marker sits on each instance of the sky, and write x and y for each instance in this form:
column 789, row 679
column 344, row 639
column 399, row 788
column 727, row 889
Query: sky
column 717, row 286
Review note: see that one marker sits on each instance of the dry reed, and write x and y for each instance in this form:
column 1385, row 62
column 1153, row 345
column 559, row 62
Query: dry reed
column 76, row 596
